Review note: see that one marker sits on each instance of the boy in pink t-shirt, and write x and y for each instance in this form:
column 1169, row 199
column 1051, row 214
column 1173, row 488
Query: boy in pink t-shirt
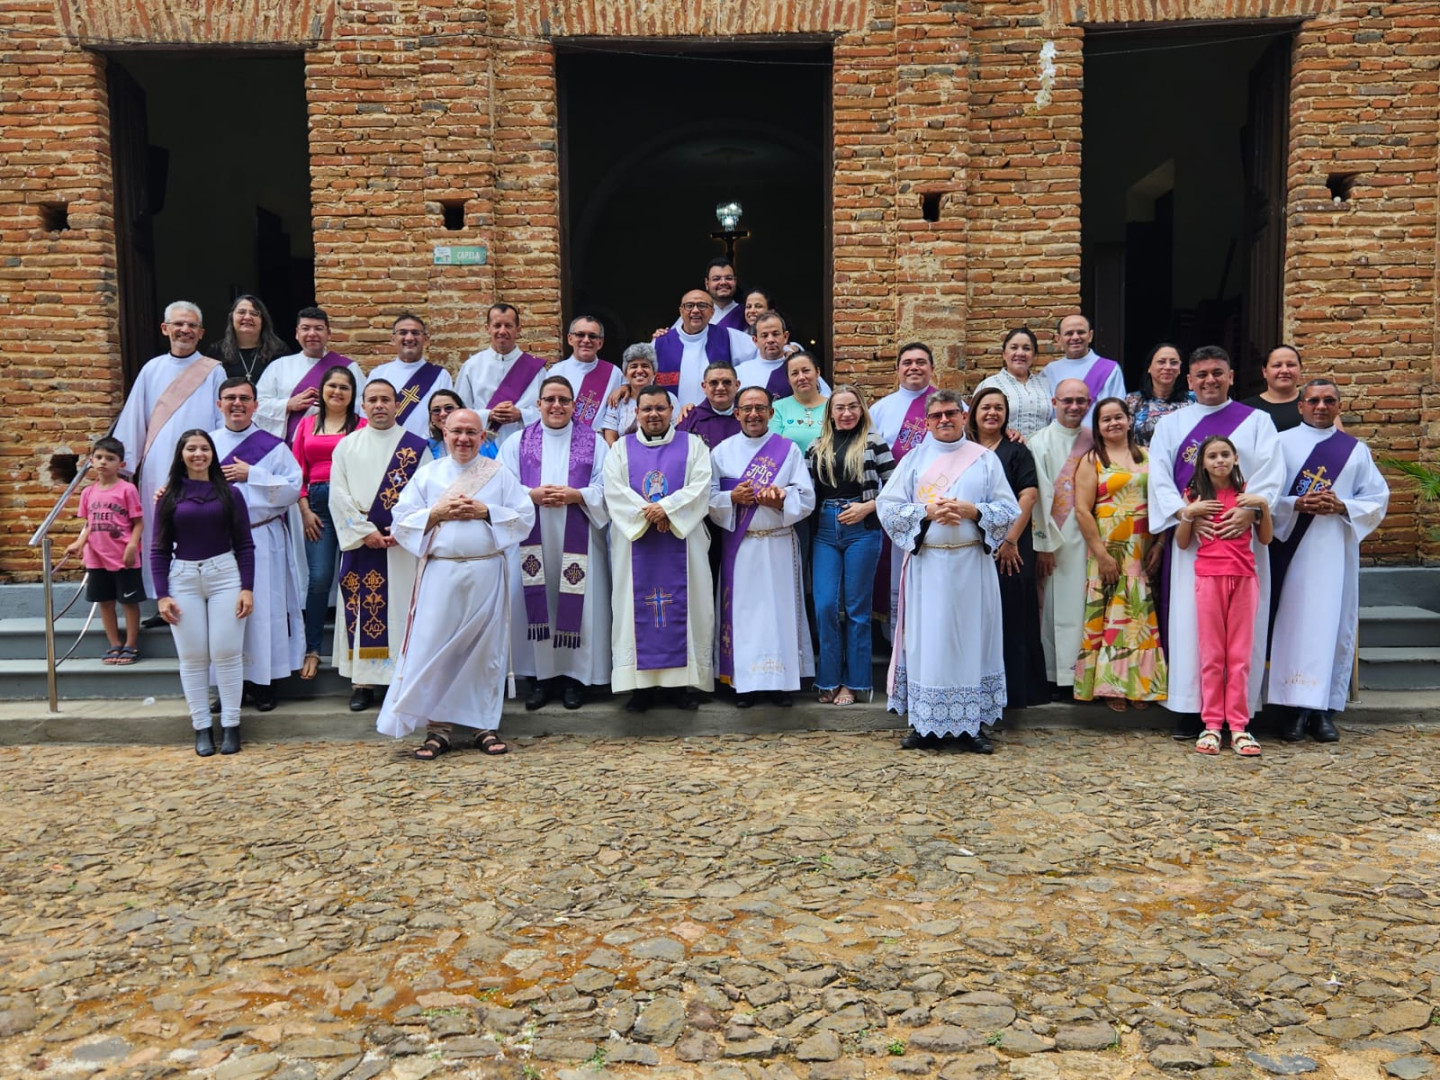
column 110, row 539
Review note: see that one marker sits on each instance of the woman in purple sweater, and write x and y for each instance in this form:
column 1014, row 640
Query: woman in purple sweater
column 203, row 560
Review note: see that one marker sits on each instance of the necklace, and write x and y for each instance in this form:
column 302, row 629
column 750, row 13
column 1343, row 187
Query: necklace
column 248, row 363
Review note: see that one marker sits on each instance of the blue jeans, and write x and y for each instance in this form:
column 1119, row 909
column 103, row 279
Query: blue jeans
column 843, row 560
column 321, row 557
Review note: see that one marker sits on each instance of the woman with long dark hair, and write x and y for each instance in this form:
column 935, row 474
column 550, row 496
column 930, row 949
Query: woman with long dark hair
column 1162, row 390
column 315, row 442
column 250, row 341
column 203, row 562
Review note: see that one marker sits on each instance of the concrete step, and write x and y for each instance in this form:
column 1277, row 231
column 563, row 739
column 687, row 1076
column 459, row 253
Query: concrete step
column 165, row 722
column 1399, row 668
column 24, row 638
column 152, row 677
column 1399, row 626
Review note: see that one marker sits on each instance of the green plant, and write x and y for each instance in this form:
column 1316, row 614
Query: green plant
column 1425, row 480
column 995, row 1039
column 896, row 1047
column 529, row 1072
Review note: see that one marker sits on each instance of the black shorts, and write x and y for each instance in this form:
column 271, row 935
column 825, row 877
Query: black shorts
column 126, row 586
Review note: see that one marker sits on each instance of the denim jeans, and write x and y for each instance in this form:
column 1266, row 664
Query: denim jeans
column 206, row 592
column 843, row 560
column 321, row 557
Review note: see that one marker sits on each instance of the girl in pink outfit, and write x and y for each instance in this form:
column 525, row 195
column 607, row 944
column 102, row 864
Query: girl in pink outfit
column 1226, row 592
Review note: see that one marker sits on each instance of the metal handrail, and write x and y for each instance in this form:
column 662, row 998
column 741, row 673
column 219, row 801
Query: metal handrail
column 42, row 540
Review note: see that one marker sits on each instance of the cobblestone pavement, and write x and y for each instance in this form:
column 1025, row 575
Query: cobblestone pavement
column 799, row 907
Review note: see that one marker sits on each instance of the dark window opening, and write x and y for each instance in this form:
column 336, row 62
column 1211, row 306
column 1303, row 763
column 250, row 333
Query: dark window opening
column 54, row 217
column 452, row 211
column 1340, row 185
column 930, row 205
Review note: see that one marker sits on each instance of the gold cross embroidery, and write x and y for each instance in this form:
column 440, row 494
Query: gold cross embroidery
column 1317, row 480
column 410, row 396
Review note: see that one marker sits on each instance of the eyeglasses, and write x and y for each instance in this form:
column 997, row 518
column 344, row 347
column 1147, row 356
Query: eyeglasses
column 587, row 335
column 552, row 400
column 752, row 408
column 845, row 408
column 1072, row 401
column 236, row 397
column 442, row 410
column 1322, row 401
column 697, row 306
column 943, row 414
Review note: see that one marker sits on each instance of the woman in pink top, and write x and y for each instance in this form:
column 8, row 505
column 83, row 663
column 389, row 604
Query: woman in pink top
column 314, row 444
column 1226, row 593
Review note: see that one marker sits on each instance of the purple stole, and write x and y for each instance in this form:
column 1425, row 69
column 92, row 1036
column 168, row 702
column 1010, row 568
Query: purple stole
column 734, row 319
column 1098, row 376
column 575, row 557
column 708, row 426
column 1327, row 460
column 364, row 572
column 590, row 396
column 670, row 350
column 311, row 380
column 1221, row 422
column 779, row 382
column 912, row 434
column 761, row 472
column 251, row 448
column 659, row 567
column 413, row 393
column 520, row 375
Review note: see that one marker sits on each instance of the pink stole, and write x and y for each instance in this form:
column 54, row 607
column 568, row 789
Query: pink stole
column 1062, row 502
column 939, row 477
column 173, row 396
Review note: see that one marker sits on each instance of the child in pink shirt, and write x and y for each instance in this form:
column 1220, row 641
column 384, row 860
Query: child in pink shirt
column 1226, row 592
column 110, row 540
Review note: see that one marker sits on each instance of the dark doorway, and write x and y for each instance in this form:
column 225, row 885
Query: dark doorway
column 212, row 189
column 1183, row 190
column 652, row 142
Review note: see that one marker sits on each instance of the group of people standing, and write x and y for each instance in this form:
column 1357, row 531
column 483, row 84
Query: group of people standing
column 712, row 507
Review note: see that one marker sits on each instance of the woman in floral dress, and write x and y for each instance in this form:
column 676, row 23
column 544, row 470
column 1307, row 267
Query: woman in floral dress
column 1120, row 656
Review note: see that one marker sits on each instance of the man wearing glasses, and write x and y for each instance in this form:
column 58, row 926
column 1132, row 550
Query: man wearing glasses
column 1059, row 548
column 261, row 465
column 683, row 353
column 594, row 379
column 502, row 382
column 1334, row 497
column 560, row 573
column 413, row 377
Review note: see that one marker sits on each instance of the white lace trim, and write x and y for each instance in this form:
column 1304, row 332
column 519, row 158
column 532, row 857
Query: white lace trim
column 949, row 710
column 902, row 521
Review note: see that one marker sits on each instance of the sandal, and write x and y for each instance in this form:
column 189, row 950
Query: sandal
column 844, row 697
column 827, row 697
column 311, row 666
column 112, row 654
column 1139, row 706
column 1244, row 744
column 1115, row 704
column 128, row 655
column 436, row 744
column 488, row 742
column 1208, row 743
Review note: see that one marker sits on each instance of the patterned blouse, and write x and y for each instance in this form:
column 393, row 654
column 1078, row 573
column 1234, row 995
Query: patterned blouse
column 1147, row 411
column 1030, row 408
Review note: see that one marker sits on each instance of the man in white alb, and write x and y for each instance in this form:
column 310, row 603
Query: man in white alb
column 772, row 336
column 413, row 377
column 502, row 382
column 594, row 379
column 289, row 390
column 1102, row 378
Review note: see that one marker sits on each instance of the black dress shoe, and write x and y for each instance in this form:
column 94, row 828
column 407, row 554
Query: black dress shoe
column 744, row 701
column 639, row 701
column 1185, row 726
column 574, row 695
column 151, row 622
column 362, row 699
column 264, row 698
column 230, row 740
column 915, row 741
column 204, row 742
column 979, row 743
column 1322, row 728
column 1292, row 728
column 780, row 698
column 539, row 695
column 686, row 701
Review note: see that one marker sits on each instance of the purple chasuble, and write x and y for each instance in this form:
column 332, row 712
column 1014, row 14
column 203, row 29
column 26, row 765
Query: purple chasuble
column 659, row 567
column 251, row 448
column 1098, row 376
column 413, row 392
column 761, row 472
column 670, row 350
column 734, row 319
column 708, row 426
column 590, row 394
column 779, row 382
column 575, row 552
column 311, row 380
column 364, row 572
column 1327, row 460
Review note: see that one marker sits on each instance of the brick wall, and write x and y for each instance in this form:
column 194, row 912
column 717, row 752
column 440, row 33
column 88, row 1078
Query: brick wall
column 976, row 105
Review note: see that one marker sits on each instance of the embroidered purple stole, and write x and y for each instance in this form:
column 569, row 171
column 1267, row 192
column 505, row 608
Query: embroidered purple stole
column 1221, row 422
column 659, row 567
column 912, row 434
column 590, row 395
column 1326, row 461
column 311, row 380
column 761, row 473
column 251, row 448
column 670, row 351
column 365, row 571
column 520, row 375
column 1098, row 375
column 575, row 556
column 734, row 319
column 413, row 393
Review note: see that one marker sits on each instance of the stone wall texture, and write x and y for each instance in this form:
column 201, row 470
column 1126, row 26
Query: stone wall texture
column 416, row 101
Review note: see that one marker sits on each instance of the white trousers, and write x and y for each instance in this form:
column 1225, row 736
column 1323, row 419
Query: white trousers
column 208, row 633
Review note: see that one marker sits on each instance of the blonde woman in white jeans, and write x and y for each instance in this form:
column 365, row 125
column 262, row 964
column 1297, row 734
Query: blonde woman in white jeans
column 203, row 561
